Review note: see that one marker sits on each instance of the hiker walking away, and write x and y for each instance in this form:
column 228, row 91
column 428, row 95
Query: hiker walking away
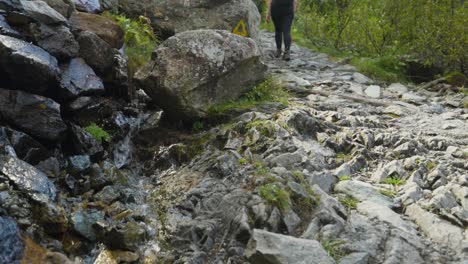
column 282, row 14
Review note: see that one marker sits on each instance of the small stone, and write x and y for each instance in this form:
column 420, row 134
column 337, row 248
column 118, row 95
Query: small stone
column 361, row 78
column 79, row 164
column 397, row 88
column 374, row 91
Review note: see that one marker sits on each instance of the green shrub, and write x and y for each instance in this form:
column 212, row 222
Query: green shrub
column 333, row 250
column 349, row 202
column 98, row 133
column 269, row 90
column 395, row 181
column 140, row 40
column 275, row 195
column 345, row 178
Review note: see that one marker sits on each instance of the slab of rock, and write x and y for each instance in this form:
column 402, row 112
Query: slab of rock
column 413, row 98
column 39, row 70
column 393, row 169
column 64, row 7
column 11, row 242
column 270, row 248
column 57, row 40
column 361, row 78
column 41, row 12
column 363, row 192
column 440, row 231
column 104, row 27
column 78, row 79
column 397, row 89
column 373, row 91
column 96, row 52
column 28, row 179
column 384, row 214
column 36, row 115
column 195, row 70
column 88, row 6
column 172, row 17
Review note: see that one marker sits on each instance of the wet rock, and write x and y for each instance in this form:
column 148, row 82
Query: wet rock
column 105, row 28
column 41, row 12
column 55, row 39
column 25, row 147
column 84, row 143
column 175, row 17
column 50, row 166
column 28, row 179
column 116, row 257
column 96, row 52
column 83, row 223
column 107, row 195
column 11, row 243
column 79, row 164
column 5, row 28
column 271, row 248
column 39, row 70
column 193, row 71
column 126, row 236
column 78, row 79
column 36, row 115
column 64, row 7
column 88, row 6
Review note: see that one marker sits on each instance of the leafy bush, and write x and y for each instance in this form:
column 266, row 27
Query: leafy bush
column 269, row 90
column 431, row 32
column 274, row 195
column 140, row 40
column 98, row 133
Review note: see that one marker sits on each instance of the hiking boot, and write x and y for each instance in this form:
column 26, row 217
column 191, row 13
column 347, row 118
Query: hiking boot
column 287, row 55
column 278, row 53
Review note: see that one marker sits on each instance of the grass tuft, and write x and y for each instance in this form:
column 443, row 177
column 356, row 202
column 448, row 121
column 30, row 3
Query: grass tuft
column 275, row 195
column 98, row 133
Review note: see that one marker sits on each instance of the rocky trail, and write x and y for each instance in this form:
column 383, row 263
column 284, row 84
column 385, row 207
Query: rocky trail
column 349, row 171
column 325, row 179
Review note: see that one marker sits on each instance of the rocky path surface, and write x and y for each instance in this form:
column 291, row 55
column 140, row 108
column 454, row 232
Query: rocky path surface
column 353, row 172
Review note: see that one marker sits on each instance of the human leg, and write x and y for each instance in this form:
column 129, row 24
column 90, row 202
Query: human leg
column 286, row 28
column 277, row 21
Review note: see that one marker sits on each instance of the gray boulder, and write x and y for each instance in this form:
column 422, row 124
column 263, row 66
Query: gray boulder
column 41, row 12
column 64, row 7
column 88, row 6
column 28, row 179
column 172, row 17
column 79, row 79
column 96, row 52
column 11, row 242
column 57, row 40
column 270, row 248
column 39, row 70
column 34, row 114
column 195, row 70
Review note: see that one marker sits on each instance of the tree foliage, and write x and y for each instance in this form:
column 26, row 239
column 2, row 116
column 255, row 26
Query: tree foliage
column 429, row 31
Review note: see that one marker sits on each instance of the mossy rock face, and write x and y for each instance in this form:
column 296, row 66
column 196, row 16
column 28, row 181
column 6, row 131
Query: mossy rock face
column 457, row 79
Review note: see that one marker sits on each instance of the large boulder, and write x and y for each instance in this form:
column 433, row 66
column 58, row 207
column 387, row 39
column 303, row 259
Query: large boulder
column 64, row 7
column 270, row 248
column 96, row 52
column 41, row 12
column 28, row 179
column 104, row 27
column 38, row 116
column 79, row 79
column 195, row 70
column 172, row 17
column 56, row 39
column 27, row 66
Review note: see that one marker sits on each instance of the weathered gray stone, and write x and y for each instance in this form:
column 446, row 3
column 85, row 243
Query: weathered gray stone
column 83, row 223
column 397, row 88
column 34, row 114
column 11, row 242
column 89, row 6
column 363, row 192
column 78, row 79
column 41, row 12
column 28, row 179
column 384, row 214
column 96, row 52
column 56, row 39
column 270, row 248
column 394, row 169
column 195, row 70
column 374, row 91
column 39, row 71
column 172, row 17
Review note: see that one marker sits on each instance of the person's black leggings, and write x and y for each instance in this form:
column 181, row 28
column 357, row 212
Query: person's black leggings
column 282, row 17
